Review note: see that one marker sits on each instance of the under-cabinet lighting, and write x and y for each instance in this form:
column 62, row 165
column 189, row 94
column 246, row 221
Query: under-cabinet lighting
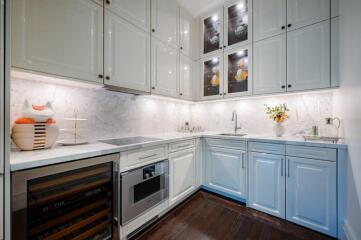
column 49, row 79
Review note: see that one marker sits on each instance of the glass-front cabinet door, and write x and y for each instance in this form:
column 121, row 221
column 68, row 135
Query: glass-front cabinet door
column 237, row 23
column 212, row 32
column 238, row 71
column 212, row 82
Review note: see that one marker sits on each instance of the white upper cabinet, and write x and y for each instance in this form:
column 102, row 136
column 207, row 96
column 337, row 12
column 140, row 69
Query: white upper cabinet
column 182, row 168
column 269, row 74
column 238, row 72
column 185, row 33
column 335, row 55
column 212, row 32
column 126, row 55
column 308, row 57
column 164, row 69
column 301, row 13
column 237, row 23
column 267, row 183
column 311, row 194
column 136, row 12
column 269, row 18
column 212, row 77
column 62, row 38
column 165, row 21
column 185, row 77
column 226, row 171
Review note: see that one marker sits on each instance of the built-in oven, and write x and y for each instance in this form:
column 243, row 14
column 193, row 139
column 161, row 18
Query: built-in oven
column 75, row 200
column 142, row 189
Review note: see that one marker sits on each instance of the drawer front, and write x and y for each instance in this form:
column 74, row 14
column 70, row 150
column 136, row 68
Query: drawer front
column 139, row 157
column 272, row 148
column 226, row 143
column 177, row 146
column 328, row 154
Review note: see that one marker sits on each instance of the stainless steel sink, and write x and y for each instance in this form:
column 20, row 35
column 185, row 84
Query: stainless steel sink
column 233, row 134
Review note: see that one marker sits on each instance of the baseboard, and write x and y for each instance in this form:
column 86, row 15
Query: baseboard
column 349, row 232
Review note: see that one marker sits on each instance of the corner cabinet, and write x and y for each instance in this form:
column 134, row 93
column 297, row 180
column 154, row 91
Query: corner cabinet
column 182, row 166
column 226, row 169
column 124, row 39
column 164, row 69
column 311, row 194
column 63, row 38
column 267, row 183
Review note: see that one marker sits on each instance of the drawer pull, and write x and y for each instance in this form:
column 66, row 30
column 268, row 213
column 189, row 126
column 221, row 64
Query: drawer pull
column 242, row 160
column 149, row 156
column 288, row 168
column 282, row 167
column 183, row 146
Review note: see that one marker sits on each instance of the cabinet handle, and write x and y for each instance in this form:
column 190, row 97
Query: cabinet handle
column 107, row 78
column 153, row 30
column 288, row 168
column 107, row 1
column 289, row 85
column 283, row 27
column 149, row 156
column 282, row 159
column 283, row 86
column 289, row 25
column 242, row 160
column 100, row 76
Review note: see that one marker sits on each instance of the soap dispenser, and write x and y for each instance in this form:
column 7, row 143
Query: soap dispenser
column 330, row 129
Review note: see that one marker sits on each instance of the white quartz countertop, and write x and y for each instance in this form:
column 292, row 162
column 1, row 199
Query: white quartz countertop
column 21, row 160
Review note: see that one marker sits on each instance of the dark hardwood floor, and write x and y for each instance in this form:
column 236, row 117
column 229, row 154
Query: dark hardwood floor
column 207, row 216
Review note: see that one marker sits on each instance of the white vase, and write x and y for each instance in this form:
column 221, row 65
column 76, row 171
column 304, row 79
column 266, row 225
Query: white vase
column 279, row 129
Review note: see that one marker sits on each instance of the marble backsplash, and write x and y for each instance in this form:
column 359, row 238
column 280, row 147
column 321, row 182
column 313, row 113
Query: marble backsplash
column 113, row 114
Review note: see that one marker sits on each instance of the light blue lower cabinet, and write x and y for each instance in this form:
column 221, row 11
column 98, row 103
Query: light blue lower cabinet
column 225, row 172
column 311, row 194
column 267, row 183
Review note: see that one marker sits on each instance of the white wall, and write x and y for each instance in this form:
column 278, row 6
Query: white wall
column 348, row 105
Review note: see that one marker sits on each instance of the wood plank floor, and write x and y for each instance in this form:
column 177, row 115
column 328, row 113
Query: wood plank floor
column 207, row 216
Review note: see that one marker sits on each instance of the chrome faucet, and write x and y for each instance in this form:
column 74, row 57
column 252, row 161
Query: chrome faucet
column 235, row 120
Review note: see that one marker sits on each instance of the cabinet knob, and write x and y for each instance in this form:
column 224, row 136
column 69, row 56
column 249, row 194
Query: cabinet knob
column 181, row 48
column 289, row 85
column 100, row 76
column 107, row 78
column 181, row 94
column 283, row 27
column 153, row 88
column 283, row 86
column 289, row 25
column 224, row 93
column 224, row 46
column 220, row 48
column 153, row 30
column 107, row 1
column 220, row 94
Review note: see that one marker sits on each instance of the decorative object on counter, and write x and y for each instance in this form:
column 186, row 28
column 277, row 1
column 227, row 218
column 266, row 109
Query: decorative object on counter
column 315, row 130
column 35, row 129
column 76, row 138
column 279, row 114
column 330, row 129
column 186, row 128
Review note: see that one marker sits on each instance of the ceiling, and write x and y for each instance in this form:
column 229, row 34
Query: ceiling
column 198, row 7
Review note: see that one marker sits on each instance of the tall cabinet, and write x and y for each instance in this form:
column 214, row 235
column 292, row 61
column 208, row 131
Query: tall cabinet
column 3, row 95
